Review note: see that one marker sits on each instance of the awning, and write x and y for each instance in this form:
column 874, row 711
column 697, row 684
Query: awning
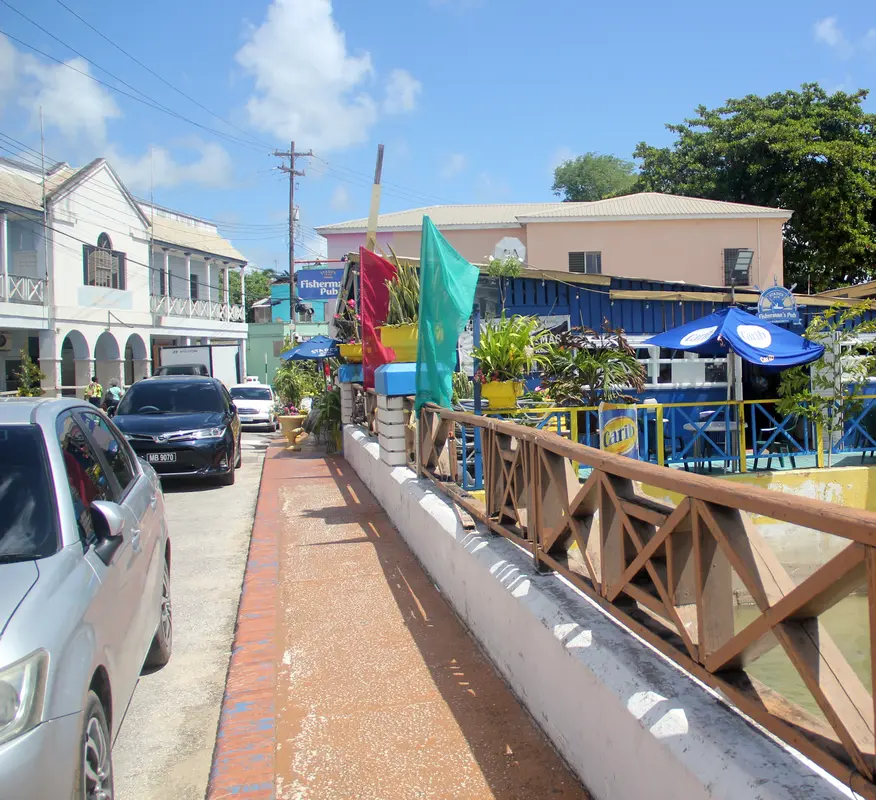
column 314, row 349
column 756, row 341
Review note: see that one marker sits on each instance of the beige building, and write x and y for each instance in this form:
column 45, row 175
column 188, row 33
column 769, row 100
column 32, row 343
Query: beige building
column 649, row 235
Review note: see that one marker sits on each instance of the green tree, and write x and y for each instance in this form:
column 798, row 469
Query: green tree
column 593, row 176
column 831, row 390
column 807, row 151
column 258, row 287
column 30, row 377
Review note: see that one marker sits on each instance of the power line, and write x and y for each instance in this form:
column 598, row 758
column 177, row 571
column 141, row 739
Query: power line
column 156, row 75
column 146, row 102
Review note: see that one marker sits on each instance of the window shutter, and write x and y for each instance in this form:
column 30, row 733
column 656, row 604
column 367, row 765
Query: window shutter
column 123, row 270
column 86, row 251
column 578, row 262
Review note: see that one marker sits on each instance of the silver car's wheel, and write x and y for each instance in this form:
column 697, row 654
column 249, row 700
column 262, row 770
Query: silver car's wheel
column 162, row 643
column 97, row 765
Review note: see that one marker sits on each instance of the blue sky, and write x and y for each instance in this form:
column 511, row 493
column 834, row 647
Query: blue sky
column 475, row 100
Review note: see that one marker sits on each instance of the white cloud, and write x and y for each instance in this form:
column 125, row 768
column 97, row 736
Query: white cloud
column 212, row 167
column 453, row 165
column 402, row 90
column 308, row 87
column 827, row 31
column 340, row 199
column 8, row 65
column 869, row 41
column 70, row 100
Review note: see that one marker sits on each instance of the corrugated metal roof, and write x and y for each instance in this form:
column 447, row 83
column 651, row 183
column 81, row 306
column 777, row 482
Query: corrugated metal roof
column 201, row 238
column 445, row 217
column 633, row 206
column 27, row 192
column 22, row 186
column 653, row 204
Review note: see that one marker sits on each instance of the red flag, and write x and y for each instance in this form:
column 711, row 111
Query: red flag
column 374, row 272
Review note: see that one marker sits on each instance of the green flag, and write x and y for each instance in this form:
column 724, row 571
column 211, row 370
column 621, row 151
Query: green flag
column 447, row 290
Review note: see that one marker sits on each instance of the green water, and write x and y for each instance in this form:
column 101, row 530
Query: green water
column 847, row 623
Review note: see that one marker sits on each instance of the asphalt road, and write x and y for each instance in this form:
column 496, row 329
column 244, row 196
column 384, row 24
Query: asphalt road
column 165, row 745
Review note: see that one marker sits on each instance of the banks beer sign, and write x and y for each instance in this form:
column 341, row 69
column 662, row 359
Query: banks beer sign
column 618, row 429
column 318, row 284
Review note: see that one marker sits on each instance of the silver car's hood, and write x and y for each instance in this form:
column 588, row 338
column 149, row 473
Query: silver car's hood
column 16, row 580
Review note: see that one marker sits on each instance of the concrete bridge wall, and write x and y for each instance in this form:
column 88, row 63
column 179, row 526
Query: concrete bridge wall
column 629, row 722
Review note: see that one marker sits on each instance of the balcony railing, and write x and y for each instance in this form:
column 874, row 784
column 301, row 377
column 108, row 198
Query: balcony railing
column 200, row 309
column 20, row 289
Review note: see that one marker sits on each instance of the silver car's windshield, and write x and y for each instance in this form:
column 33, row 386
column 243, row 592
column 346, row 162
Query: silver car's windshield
column 28, row 520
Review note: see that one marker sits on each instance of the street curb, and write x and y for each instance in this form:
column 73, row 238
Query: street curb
column 243, row 759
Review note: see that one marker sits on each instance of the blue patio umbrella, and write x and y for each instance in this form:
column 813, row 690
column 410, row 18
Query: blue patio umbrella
column 315, row 349
column 753, row 339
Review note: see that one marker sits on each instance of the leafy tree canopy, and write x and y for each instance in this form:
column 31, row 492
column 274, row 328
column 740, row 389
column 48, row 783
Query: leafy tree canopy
column 593, row 176
column 807, row 151
column 258, row 287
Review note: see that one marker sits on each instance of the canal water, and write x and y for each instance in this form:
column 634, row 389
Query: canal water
column 849, row 626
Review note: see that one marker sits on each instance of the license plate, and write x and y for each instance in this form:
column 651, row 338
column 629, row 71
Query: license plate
column 246, row 419
column 160, row 458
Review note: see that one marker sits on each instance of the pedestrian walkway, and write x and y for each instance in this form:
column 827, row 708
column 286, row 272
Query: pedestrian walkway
column 351, row 677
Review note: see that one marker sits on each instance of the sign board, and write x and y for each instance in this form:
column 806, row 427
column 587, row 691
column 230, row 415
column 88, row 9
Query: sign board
column 618, row 429
column 777, row 304
column 318, row 284
column 556, row 324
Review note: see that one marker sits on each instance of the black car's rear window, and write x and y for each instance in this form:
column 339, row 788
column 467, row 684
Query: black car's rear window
column 28, row 517
column 171, row 397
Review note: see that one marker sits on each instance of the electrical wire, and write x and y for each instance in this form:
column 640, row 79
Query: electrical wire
column 162, row 79
column 146, row 102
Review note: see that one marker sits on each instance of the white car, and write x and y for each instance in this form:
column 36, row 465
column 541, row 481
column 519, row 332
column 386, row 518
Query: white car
column 256, row 404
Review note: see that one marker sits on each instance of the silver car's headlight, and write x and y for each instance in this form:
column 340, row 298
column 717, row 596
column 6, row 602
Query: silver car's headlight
column 22, row 692
column 208, row 433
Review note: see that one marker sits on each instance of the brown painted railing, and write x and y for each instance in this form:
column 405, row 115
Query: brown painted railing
column 666, row 571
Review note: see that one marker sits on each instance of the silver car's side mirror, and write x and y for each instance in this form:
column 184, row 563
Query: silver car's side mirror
column 109, row 525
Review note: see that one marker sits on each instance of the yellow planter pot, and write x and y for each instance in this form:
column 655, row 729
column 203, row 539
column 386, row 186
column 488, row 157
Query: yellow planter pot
column 502, row 394
column 351, row 352
column 402, row 339
column 291, row 428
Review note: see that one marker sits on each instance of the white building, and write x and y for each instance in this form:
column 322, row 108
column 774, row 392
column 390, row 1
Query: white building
column 110, row 281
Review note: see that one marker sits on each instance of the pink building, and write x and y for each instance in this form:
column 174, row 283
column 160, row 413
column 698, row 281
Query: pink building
column 649, row 235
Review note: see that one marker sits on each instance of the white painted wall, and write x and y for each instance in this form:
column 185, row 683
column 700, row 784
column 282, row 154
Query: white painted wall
column 98, row 206
column 629, row 722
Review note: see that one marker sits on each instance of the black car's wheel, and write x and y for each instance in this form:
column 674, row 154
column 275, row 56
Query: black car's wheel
column 95, row 778
column 162, row 642
column 239, row 453
column 228, row 478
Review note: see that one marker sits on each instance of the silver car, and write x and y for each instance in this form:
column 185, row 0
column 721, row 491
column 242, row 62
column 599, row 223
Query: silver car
column 84, row 595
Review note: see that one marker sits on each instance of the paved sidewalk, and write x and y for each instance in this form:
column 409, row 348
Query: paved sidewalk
column 351, row 677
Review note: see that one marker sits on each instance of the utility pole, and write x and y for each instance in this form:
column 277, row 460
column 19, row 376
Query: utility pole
column 293, row 173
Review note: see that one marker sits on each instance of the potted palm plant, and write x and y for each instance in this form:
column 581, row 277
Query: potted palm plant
column 347, row 325
column 508, row 351
column 588, row 367
column 402, row 320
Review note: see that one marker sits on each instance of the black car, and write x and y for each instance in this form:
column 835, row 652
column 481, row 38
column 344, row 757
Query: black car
column 182, row 426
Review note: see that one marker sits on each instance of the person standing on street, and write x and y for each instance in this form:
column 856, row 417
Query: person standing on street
column 94, row 392
column 113, row 397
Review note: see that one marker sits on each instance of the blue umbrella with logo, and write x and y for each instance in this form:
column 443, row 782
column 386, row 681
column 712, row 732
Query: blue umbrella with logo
column 315, row 349
column 757, row 341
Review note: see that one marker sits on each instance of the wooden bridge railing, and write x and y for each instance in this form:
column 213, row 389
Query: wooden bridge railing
column 666, row 571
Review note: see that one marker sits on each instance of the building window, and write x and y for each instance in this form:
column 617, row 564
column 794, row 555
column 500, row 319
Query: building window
column 586, row 263
column 737, row 266
column 193, row 291
column 103, row 266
